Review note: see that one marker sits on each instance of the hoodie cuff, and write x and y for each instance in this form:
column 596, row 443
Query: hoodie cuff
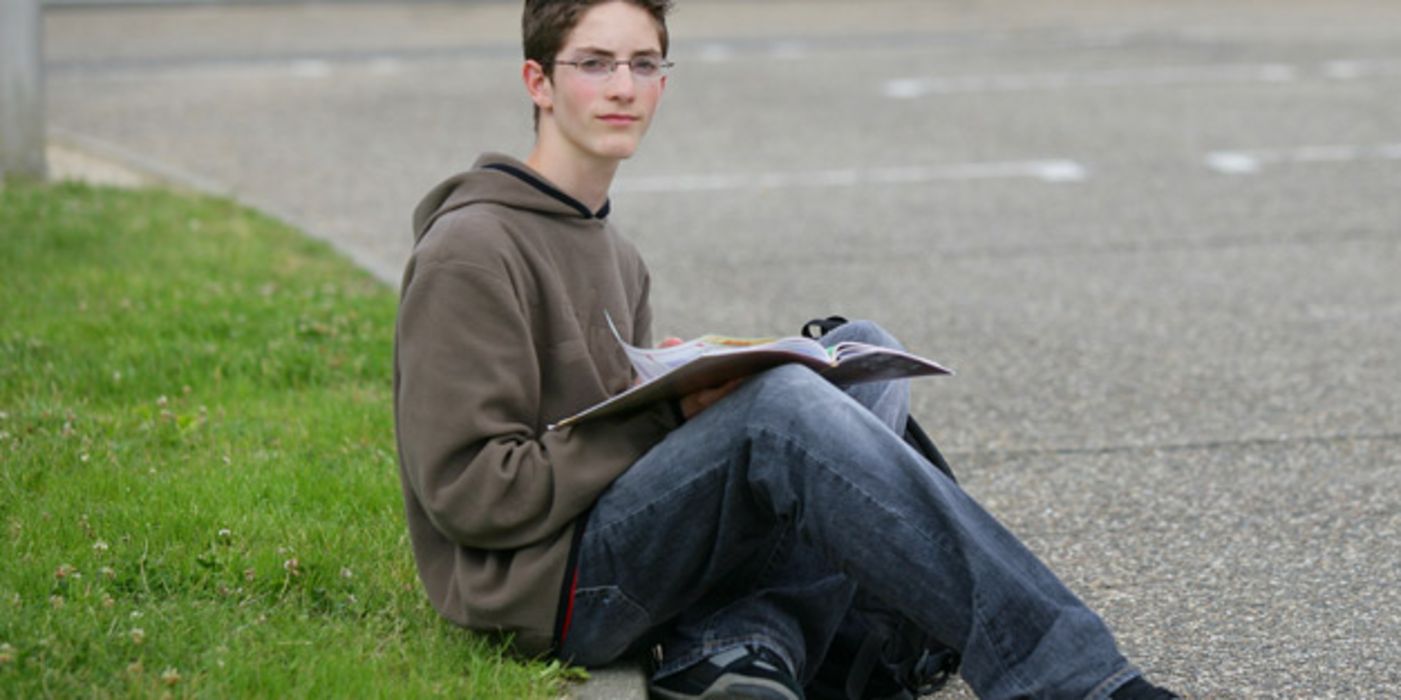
column 676, row 413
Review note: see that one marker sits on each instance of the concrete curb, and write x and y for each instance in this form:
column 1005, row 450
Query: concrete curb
column 91, row 158
column 622, row 682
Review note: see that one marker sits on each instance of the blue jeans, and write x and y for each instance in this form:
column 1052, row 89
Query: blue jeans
column 760, row 520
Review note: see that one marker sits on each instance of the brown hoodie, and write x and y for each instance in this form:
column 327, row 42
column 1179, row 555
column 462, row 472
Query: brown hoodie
column 502, row 331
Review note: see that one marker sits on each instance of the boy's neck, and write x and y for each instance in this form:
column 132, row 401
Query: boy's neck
column 584, row 179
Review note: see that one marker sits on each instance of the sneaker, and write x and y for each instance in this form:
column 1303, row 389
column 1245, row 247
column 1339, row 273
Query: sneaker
column 752, row 673
column 1140, row 689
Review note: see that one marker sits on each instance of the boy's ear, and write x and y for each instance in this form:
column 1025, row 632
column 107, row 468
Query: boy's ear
column 538, row 84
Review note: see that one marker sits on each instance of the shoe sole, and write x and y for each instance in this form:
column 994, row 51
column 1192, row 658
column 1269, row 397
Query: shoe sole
column 733, row 686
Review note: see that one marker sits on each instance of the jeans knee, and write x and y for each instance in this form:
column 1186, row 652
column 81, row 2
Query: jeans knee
column 788, row 387
column 795, row 399
column 788, row 378
column 868, row 332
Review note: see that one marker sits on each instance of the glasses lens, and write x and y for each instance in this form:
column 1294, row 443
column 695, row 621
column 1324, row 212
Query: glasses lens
column 646, row 67
column 596, row 66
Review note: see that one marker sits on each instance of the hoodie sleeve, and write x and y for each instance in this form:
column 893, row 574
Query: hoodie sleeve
column 468, row 399
column 642, row 325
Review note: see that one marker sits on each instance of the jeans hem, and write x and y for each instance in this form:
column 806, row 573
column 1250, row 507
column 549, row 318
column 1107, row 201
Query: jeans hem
column 1115, row 681
column 671, row 667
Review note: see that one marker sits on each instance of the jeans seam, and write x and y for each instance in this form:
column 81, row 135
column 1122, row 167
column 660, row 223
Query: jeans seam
column 584, row 597
column 774, row 553
column 995, row 636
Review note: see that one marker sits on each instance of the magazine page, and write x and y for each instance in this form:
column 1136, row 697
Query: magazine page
column 860, row 362
column 650, row 363
column 706, row 370
column 709, row 361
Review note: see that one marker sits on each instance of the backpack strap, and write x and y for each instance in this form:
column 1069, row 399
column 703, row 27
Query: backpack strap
column 819, row 327
column 863, row 665
column 920, row 440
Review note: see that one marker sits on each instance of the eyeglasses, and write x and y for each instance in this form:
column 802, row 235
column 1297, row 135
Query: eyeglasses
column 599, row 68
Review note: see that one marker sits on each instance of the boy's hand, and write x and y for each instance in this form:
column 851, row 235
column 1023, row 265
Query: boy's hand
column 693, row 404
column 700, row 400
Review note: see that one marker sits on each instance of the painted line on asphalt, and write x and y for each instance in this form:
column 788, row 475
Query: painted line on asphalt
column 1055, row 171
column 1150, row 76
column 913, row 88
column 1250, row 162
column 1355, row 69
column 310, row 68
column 1232, row 162
column 386, row 65
column 720, row 49
column 379, row 65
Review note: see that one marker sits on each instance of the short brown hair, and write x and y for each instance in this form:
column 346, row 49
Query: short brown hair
column 546, row 24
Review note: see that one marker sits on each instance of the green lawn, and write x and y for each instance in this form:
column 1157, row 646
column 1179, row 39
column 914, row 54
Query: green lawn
column 198, row 489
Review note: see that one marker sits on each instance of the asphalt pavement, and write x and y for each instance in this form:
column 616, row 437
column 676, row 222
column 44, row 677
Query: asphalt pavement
column 1159, row 241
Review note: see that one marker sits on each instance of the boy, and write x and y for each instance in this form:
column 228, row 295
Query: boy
column 736, row 528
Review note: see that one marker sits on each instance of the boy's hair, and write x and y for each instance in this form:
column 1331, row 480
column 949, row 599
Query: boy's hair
column 546, row 24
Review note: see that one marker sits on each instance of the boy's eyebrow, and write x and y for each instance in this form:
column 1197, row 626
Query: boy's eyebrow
column 605, row 52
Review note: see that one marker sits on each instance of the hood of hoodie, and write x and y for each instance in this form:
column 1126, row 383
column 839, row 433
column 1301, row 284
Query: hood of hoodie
column 498, row 179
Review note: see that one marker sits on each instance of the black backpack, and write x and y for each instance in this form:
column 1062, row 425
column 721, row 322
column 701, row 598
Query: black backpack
column 877, row 654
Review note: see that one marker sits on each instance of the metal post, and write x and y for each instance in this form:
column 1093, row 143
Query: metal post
column 22, row 134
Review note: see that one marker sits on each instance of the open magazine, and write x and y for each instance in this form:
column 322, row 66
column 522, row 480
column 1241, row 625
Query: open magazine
column 711, row 360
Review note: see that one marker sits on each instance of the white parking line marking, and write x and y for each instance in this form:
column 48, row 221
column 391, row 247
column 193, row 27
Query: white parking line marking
column 1343, row 70
column 1148, row 76
column 910, row 88
column 386, row 65
column 1356, row 69
column 788, row 51
column 1326, row 154
column 716, row 53
column 311, row 68
column 1251, row 162
column 1049, row 170
column 1232, row 163
column 1055, row 171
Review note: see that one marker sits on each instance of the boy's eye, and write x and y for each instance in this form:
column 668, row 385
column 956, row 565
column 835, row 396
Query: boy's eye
column 645, row 67
column 595, row 66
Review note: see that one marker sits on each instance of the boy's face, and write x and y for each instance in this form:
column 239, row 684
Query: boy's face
column 600, row 117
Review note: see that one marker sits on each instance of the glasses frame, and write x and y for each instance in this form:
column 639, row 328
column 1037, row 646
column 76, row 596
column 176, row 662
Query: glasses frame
column 663, row 66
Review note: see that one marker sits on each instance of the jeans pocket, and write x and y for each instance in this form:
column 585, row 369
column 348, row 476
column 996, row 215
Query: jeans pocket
column 605, row 623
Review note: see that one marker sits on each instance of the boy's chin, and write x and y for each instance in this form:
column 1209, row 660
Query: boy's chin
column 619, row 149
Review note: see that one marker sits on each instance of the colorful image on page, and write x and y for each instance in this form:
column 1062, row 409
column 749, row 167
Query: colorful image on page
column 650, row 363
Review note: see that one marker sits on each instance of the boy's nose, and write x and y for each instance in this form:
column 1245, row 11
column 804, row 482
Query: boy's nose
column 621, row 81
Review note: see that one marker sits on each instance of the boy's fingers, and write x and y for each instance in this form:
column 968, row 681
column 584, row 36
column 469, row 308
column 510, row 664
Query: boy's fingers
column 698, row 401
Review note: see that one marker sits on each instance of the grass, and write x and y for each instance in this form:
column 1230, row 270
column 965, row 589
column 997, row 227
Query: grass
column 198, row 488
